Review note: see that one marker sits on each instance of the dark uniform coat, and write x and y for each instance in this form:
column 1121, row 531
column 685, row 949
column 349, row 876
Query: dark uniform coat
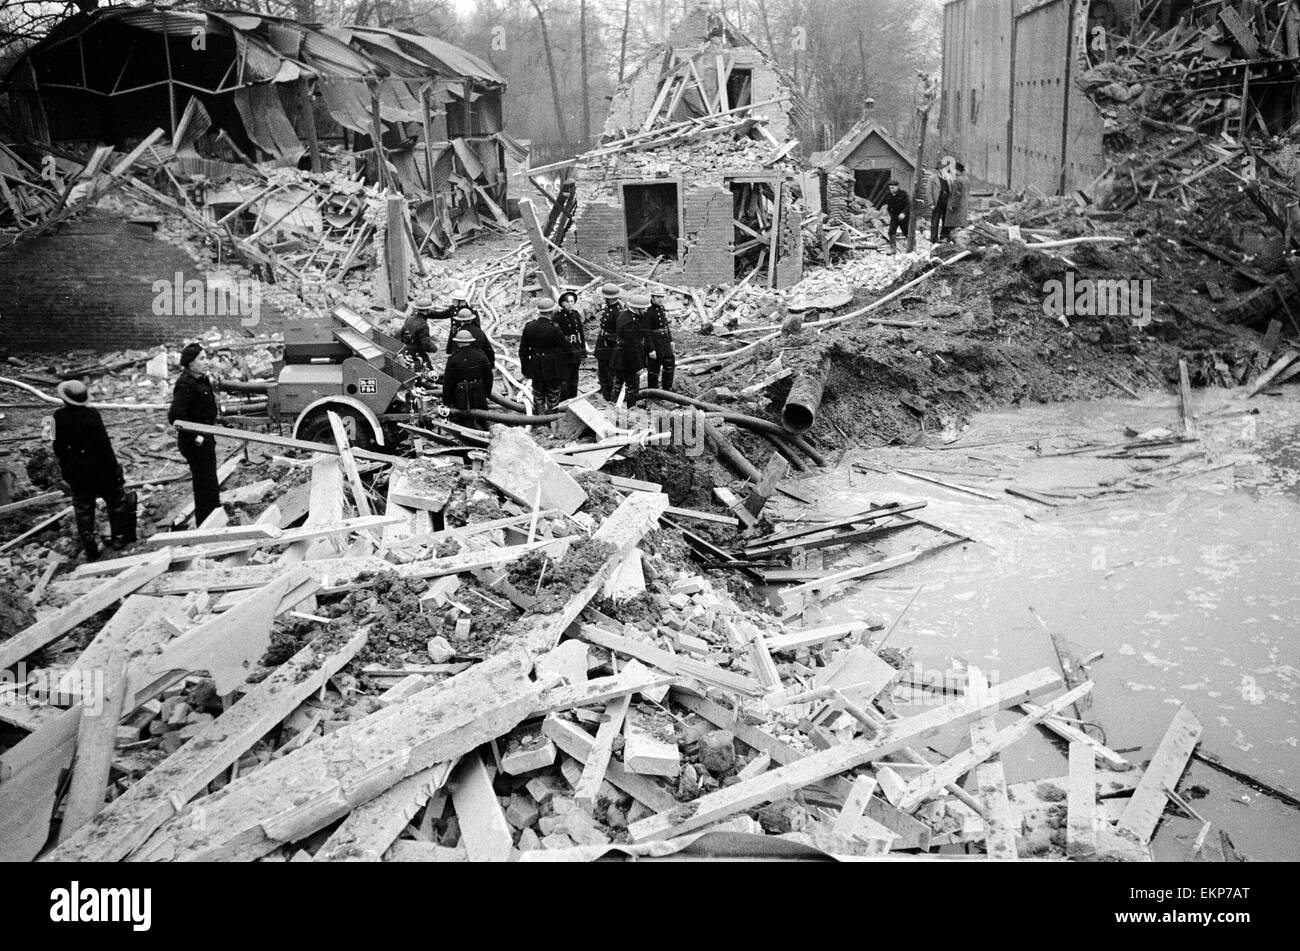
column 415, row 334
column 544, row 351
column 467, row 382
column 85, row 454
column 629, row 354
column 193, row 401
column 570, row 323
column 605, row 339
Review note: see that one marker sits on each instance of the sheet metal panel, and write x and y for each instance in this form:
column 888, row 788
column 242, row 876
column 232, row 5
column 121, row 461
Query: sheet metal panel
column 1038, row 125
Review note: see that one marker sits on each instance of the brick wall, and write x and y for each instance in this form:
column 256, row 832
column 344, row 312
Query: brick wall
column 90, row 286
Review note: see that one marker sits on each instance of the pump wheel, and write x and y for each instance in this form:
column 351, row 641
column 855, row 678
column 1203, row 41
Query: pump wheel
column 315, row 427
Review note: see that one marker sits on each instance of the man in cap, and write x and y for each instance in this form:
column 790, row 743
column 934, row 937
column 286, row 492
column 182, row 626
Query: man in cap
column 628, row 359
column 544, row 358
column 415, row 333
column 569, row 320
column 899, row 205
column 91, row 469
column 467, row 382
column 605, row 339
column 194, row 401
column 661, row 364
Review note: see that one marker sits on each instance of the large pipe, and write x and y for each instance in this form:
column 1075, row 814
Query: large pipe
column 739, row 419
column 507, row 403
column 790, row 455
column 805, row 398
column 509, row 419
column 730, row 454
column 245, row 386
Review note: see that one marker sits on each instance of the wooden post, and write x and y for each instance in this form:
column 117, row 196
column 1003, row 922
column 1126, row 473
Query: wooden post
column 309, row 121
column 377, row 138
column 428, row 136
column 395, row 252
column 96, row 738
column 545, row 269
column 929, row 91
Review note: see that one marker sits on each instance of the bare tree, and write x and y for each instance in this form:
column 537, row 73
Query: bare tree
column 622, row 45
column 550, row 68
column 584, row 70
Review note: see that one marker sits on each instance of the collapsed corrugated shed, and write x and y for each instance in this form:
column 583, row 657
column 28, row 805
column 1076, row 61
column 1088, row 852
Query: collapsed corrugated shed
column 234, row 87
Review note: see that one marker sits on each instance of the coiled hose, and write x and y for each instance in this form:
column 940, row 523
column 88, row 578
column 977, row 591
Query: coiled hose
column 752, row 423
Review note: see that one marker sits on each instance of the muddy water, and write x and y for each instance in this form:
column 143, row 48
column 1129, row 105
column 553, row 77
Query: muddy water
column 1190, row 589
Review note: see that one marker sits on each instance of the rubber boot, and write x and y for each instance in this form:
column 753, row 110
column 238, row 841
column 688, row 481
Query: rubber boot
column 667, row 379
column 90, row 545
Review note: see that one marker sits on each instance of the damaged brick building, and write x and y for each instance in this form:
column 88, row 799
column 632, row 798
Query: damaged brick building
column 699, row 167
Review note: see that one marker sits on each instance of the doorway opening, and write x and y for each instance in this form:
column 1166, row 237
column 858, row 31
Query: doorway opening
column 872, row 184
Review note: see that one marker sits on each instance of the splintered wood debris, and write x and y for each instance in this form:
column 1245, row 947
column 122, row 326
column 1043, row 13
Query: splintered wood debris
column 455, row 695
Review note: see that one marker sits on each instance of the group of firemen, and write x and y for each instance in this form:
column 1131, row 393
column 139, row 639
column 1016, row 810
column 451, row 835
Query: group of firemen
column 634, row 335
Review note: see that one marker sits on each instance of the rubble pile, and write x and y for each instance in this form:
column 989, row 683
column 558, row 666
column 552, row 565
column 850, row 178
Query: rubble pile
column 556, row 682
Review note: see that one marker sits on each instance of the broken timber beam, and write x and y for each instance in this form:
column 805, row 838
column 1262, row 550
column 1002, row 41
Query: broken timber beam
column 129, row 820
column 545, row 268
column 781, row 782
column 290, row 798
column 367, row 832
column 43, row 632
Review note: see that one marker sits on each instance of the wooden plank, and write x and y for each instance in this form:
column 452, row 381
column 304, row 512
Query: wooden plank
column 1081, row 805
column 29, row 782
column 349, row 463
column 1144, row 810
column 96, row 740
column 1072, row 734
column 797, row 640
column 324, row 507
column 129, row 820
column 672, row 663
column 645, row 752
column 134, row 629
column 43, row 632
column 1000, row 829
column 593, row 769
column 780, row 782
column 991, row 782
column 1266, row 378
column 518, row 466
column 289, row 798
column 484, row 832
column 764, row 668
column 229, row 644
column 202, row 536
column 284, row 442
column 934, row 781
column 850, row 574
column 576, row 742
column 545, row 268
column 1185, row 401
column 855, row 807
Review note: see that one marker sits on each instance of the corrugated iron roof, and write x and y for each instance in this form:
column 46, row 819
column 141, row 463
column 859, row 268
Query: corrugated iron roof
column 451, row 59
